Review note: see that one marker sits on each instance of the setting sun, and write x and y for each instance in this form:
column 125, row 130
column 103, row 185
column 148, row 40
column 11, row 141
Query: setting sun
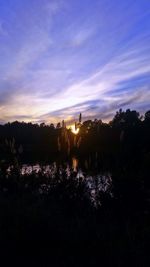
column 74, row 130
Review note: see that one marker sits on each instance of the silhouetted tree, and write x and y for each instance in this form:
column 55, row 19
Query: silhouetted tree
column 147, row 116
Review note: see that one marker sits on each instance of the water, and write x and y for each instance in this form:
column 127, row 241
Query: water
column 94, row 183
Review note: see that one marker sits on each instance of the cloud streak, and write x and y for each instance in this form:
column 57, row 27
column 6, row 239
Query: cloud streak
column 60, row 58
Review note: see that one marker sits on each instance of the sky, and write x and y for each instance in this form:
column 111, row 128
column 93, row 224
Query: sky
column 62, row 57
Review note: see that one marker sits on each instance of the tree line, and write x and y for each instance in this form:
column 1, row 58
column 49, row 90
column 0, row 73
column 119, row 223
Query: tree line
column 125, row 136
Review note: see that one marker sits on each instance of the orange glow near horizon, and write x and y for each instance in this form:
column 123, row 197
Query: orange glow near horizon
column 73, row 130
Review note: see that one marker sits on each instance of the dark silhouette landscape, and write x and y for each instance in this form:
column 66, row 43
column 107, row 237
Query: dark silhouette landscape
column 74, row 133
column 88, row 201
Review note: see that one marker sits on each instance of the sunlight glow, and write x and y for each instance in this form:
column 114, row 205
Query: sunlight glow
column 73, row 130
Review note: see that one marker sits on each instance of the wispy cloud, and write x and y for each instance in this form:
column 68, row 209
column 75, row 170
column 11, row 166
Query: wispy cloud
column 80, row 37
column 2, row 29
column 60, row 58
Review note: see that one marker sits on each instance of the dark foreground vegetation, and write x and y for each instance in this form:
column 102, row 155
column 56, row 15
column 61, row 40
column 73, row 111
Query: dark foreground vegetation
column 48, row 219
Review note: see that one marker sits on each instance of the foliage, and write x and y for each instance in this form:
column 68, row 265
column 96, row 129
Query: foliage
column 52, row 216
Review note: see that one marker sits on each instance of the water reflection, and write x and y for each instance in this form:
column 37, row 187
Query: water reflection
column 75, row 164
column 94, row 183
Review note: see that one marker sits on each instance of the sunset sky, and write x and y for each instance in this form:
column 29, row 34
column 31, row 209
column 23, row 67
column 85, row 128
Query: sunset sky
column 60, row 58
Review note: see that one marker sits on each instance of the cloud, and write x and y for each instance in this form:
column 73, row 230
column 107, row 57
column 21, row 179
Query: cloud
column 3, row 32
column 102, row 109
column 54, row 6
column 65, row 57
column 80, row 37
column 94, row 96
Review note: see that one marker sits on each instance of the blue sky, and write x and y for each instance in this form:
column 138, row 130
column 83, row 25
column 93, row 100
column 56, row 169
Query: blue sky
column 62, row 57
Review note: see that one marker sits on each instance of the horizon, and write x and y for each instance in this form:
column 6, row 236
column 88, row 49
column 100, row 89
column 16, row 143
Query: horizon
column 70, row 124
column 60, row 58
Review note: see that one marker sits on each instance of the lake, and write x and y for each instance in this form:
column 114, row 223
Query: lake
column 94, row 182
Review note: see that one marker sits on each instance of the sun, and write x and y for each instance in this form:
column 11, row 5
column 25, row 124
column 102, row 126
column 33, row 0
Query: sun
column 74, row 130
